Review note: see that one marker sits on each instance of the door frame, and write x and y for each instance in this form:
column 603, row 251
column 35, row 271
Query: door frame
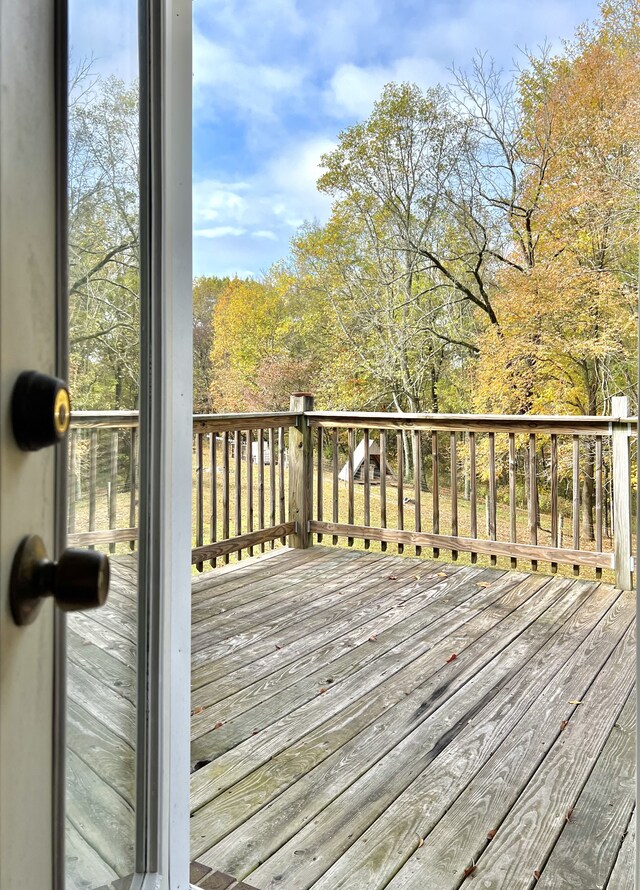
column 164, row 580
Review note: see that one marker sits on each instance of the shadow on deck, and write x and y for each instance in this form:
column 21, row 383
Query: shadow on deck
column 362, row 720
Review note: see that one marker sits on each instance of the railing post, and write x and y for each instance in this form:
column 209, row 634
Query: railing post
column 300, row 470
column 621, row 494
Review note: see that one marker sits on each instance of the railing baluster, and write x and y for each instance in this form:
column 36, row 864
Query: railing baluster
column 367, row 485
column 435, row 461
column 383, row 484
column 576, row 498
column 261, row 482
column 400, row 449
column 199, row 498
column 555, row 539
column 72, row 483
column 533, row 496
column 513, row 530
column 237, row 447
column 336, row 487
column 352, row 446
column 319, row 481
column 283, row 494
column 213, row 493
column 133, row 482
column 454, row 490
column 93, row 479
column 598, row 475
column 492, row 493
column 249, row 462
column 272, row 482
column 225, row 490
column 473, row 494
column 417, row 485
column 113, row 489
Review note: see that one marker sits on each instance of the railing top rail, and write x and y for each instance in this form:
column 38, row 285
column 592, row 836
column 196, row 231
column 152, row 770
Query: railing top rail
column 508, row 423
column 103, row 419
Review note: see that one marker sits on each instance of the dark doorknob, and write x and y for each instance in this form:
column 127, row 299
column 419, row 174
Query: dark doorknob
column 78, row 581
column 40, row 410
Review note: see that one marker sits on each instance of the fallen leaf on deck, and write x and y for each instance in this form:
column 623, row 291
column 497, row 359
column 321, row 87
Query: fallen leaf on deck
column 452, row 657
column 469, row 870
column 442, row 574
column 483, row 583
column 563, row 725
column 278, row 647
column 197, row 711
column 373, row 638
column 393, row 578
column 255, row 732
column 322, row 691
column 420, row 841
column 568, row 814
column 218, row 724
column 575, row 701
column 491, row 834
column 418, row 577
column 537, row 875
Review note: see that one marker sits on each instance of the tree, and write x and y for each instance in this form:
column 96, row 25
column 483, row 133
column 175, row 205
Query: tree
column 103, row 242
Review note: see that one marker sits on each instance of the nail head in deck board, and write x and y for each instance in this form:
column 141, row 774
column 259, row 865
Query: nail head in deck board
column 588, row 846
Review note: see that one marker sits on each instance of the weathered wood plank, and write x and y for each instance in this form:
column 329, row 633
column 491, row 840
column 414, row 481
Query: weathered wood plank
column 383, row 485
column 454, row 489
column 435, row 502
column 239, row 542
column 371, row 771
column 100, row 815
column 589, row 843
column 199, row 495
column 511, row 787
column 379, row 852
column 82, row 863
column 300, row 472
column 520, row 423
column 367, row 484
column 102, row 536
column 623, row 876
column 500, row 548
column 229, row 423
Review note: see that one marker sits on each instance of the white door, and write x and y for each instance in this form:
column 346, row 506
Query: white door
column 34, row 782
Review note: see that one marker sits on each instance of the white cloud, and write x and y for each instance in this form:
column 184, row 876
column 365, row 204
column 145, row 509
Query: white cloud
column 222, row 79
column 354, row 89
column 265, row 233
column 219, row 232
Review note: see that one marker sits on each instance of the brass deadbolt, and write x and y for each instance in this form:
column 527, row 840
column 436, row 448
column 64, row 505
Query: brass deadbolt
column 40, row 410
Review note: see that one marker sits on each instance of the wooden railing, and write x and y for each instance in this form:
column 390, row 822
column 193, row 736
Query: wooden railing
column 552, row 490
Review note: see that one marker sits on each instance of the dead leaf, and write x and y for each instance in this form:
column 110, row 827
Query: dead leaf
column 197, row 711
column 563, row 725
column 483, row 583
column 393, row 578
column 451, row 658
column 575, row 701
column 322, row 690
column 491, row 834
column 418, row 577
column 469, row 870
column 420, row 841
column 278, row 647
column 218, row 724
column 255, row 732
column 373, row 638
column 442, row 575
column 537, row 875
column 568, row 815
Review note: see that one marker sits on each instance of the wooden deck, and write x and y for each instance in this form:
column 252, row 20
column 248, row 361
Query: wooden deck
column 366, row 721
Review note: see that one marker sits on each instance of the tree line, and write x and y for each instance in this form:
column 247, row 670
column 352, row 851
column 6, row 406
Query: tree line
column 481, row 253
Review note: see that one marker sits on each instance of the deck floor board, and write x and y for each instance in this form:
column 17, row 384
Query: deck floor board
column 363, row 721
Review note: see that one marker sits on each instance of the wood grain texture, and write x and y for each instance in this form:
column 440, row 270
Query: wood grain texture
column 500, row 548
column 300, row 473
column 240, row 542
column 623, row 876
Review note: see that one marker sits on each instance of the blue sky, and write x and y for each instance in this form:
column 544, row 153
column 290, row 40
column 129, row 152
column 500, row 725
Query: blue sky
column 275, row 81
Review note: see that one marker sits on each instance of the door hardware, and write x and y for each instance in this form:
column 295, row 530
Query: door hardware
column 40, row 410
column 78, row 581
